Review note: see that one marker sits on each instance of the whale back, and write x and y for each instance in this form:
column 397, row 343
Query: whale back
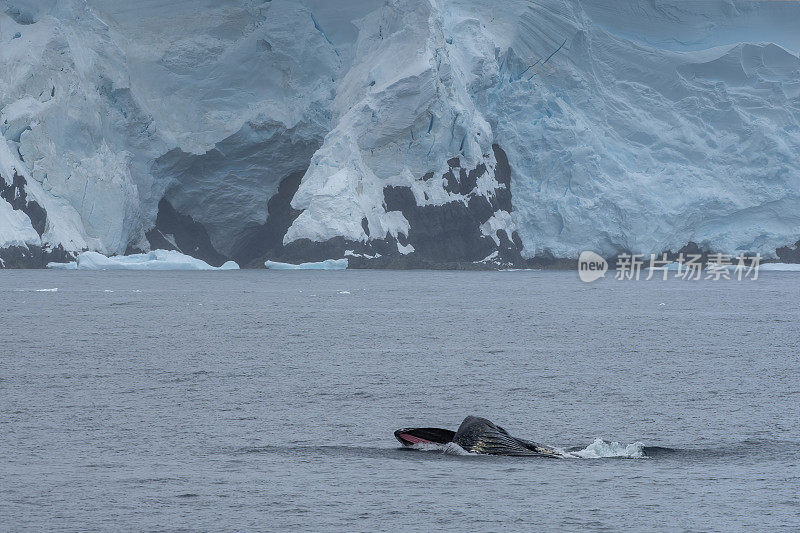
column 479, row 435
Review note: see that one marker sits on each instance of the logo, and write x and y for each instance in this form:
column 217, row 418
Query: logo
column 591, row 266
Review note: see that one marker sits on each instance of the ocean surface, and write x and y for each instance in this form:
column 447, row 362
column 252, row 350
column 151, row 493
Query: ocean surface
column 259, row 400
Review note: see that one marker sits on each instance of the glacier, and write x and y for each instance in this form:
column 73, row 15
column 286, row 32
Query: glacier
column 405, row 132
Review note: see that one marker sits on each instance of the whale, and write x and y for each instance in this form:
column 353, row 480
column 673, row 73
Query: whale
column 476, row 435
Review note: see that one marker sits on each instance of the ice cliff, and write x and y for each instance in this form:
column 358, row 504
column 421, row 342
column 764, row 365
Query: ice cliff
column 405, row 132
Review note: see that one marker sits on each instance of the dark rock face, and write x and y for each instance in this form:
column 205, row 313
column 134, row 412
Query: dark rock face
column 267, row 239
column 175, row 231
column 451, row 232
column 448, row 232
column 33, row 256
column 442, row 236
column 789, row 254
column 16, row 195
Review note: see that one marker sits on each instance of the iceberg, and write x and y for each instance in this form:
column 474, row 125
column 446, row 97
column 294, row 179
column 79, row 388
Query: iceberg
column 328, row 264
column 155, row 260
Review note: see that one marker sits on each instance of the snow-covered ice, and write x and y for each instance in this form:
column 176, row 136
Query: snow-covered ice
column 328, row 264
column 155, row 260
column 15, row 227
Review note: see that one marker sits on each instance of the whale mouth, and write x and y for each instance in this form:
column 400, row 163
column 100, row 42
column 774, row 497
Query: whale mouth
column 412, row 436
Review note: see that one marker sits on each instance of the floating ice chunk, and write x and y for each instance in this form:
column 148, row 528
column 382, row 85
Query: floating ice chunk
column 229, row 265
column 328, row 264
column 155, row 260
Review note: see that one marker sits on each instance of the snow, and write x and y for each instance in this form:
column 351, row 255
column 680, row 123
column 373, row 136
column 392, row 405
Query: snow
column 500, row 220
column 328, row 264
column 404, row 249
column 351, row 253
column 630, row 126
column 491, row 257
column 15, row 227
column 155, row 260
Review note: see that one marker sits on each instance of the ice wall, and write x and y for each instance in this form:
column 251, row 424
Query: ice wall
column 628, row 125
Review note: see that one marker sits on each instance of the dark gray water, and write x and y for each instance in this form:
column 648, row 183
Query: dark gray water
column 260, row 400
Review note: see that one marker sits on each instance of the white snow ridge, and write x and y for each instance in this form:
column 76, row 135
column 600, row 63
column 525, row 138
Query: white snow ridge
column 404, row 131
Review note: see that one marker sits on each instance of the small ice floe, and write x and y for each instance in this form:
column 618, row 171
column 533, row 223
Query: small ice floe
column 328, row 264
column 54, row 289
column 155, row 260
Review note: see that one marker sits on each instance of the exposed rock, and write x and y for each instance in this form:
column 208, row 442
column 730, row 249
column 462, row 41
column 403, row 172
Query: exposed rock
column 174, row 231
column 33, row 256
